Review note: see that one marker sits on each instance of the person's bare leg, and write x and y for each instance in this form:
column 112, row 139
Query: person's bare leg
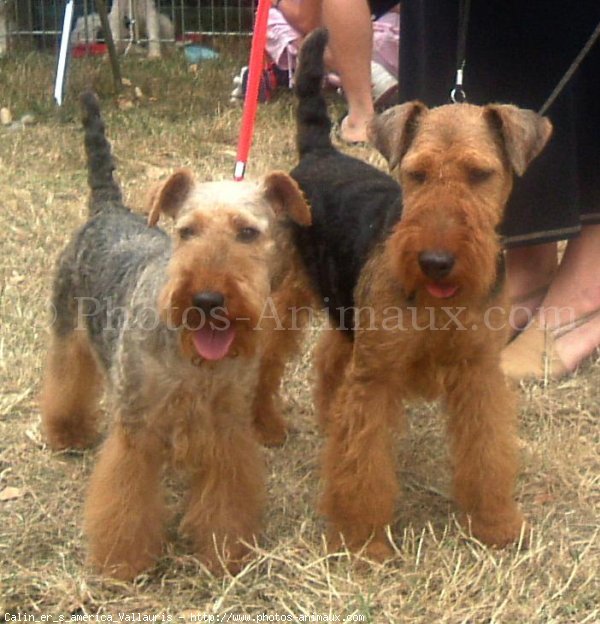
column 573, row 295
column 350, row 45
column 530, row 270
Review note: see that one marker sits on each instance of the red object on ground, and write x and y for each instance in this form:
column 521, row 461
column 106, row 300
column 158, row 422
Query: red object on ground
column 190, row 37
column 255, row 67
column 89, row 49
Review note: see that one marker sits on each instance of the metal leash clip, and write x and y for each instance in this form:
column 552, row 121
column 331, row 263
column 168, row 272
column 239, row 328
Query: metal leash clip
column 458, row 95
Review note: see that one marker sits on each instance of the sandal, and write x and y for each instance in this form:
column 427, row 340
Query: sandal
column 384, row 87
column 271, row 78
column 533, row 354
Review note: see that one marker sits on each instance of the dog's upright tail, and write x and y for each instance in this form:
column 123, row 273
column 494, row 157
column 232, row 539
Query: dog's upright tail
column 313, row 124
column 105, row 192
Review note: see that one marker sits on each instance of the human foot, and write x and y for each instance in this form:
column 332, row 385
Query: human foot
column 542, row 351
column 351, row 132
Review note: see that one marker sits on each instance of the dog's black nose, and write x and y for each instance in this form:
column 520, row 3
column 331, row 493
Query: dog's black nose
column 208, row 300
column 436, row 263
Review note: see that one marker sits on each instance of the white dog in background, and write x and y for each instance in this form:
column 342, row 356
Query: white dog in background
column 146, row 22
column 88, row 29
column 141, row 16
column 128, row 19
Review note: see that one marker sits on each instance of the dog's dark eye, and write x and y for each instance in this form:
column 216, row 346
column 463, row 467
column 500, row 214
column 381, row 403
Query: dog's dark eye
column 248, row 234
column 185, row 233
column 417, row 176
column 477, row 175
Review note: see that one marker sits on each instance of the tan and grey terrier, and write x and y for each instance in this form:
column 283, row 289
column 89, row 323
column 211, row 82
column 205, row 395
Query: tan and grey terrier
column 175, row 329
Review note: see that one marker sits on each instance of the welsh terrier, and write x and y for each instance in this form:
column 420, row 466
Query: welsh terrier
column 425, row 286
column 175, row 329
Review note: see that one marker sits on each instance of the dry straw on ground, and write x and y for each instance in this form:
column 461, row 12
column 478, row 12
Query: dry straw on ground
column 438, row 575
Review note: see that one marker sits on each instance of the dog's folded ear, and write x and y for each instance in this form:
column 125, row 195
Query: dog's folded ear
column 392, row 132
column 169, row 197
column 284, row 194
column 524, row 133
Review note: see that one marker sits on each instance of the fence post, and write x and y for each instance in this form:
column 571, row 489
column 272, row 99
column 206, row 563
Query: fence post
column 108, row 38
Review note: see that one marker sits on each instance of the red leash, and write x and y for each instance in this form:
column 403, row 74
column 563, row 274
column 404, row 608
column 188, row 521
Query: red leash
column 255, row 67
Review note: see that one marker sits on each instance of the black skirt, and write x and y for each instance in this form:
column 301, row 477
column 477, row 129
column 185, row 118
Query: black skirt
column 516, row 52
column 380, row 7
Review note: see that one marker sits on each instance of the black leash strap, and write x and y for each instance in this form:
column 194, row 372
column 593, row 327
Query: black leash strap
column 572, row 69
column 457, row 94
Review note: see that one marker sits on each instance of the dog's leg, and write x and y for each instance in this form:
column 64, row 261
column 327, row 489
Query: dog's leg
column 285, row 335
column 358, row 466
column 124, row 509
column 70, row 393
column 332, row 355
column 226, row 497
column 483, row 441
column 269, row 425
column 152, row 29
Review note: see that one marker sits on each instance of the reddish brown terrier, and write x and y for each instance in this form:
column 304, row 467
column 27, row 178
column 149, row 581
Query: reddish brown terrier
column 429, row 310
column 174, row 328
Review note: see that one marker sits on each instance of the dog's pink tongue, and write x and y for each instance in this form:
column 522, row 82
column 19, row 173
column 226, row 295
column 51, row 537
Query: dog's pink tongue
column 441, row 291
column 213, row 344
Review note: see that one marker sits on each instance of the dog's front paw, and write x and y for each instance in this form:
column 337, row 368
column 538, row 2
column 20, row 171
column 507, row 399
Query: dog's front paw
column 231, row 559
column 377, row 549
column 123, row 561
column 72, row 432
column 500, row 532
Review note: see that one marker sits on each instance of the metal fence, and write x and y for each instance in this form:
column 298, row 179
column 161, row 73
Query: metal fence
column 37, row 23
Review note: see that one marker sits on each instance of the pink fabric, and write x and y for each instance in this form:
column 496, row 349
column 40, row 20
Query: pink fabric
column 282, row 41
column 386, row 41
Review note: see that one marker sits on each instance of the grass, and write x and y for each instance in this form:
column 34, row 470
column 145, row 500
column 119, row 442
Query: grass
column 438, row 575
